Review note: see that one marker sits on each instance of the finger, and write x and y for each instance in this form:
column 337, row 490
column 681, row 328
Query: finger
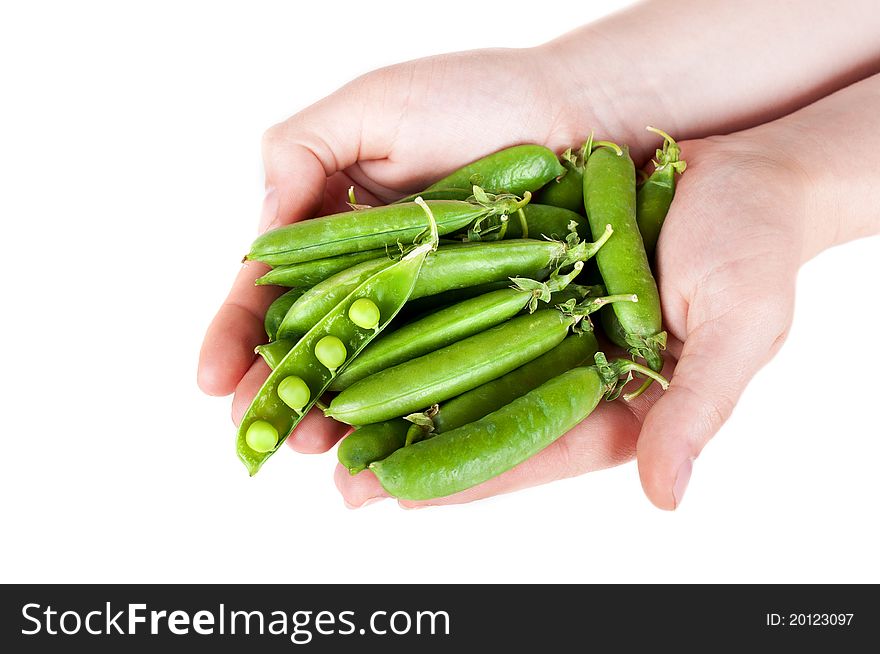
column 606, row 438
column 248, row 387
column 316, row 433
column 303, row 151
column 228, row 349
column 299, row 154
column 718, row 358
column 358, row 490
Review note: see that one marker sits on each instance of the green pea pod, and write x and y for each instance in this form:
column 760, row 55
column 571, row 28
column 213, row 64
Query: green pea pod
column 269, row 418
column 369, row 229
column 442, row 374
column 309, row 273
column 450, row 325
column 512, row 170
column 416, row 309
column 450, row 267
column 655, row 196
column 611, row 327
column 441, row 194
column 278, row 309
column 478, row 451
column 610, row 198
column 377, row 441
column 491, row 396
column 311, row 306
column 371, row 443
column 274, row 352
column 567, row 190
column 545, row 221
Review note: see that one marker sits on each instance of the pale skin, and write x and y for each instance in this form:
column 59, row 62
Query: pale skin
column 751, row 208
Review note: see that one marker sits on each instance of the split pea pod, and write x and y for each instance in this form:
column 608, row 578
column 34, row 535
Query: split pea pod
column 655, row 196
column 478, row 451
column 375, row 442
column 442, row 374
column 514, row 170
column 450, row 325
column 610, row 198
column 278, row 309
column 450, row 267
column 369, row 229
column 305, row 372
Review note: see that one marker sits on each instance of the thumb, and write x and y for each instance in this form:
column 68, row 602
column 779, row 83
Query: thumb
column 721, row 353
column 300, row 153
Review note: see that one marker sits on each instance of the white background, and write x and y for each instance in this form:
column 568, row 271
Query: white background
column 130, row 183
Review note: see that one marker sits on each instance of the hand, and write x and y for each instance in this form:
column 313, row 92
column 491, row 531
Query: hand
column 374, row 134
column 750, row 209
column 727, row 259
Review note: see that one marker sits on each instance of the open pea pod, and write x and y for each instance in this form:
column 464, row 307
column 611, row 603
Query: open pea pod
column 303, row 374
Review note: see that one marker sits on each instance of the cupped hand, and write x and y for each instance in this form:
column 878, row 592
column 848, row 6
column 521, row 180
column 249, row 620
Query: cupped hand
column 388, row 133
column 726, row 265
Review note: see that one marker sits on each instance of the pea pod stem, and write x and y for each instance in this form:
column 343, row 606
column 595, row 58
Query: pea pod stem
column 607, row 144
column 585, row 250
column 669, row 155
column 611, row 374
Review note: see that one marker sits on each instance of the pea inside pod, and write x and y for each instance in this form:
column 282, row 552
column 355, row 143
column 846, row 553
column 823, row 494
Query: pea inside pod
column 389, row 289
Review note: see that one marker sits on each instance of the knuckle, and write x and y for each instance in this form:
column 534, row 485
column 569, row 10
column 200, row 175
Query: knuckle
column 273, row 137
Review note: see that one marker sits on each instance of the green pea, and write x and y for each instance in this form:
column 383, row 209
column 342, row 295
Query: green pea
column 364, row 313
column 294, row 392
column 331, row 352
column 261, row 436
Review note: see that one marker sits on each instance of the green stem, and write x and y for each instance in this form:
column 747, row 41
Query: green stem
column 434, row 237
column 608, row 144
column 633, row 366
column 593, row 305
column 524, row 224
column 584, row 250
column 629, row 397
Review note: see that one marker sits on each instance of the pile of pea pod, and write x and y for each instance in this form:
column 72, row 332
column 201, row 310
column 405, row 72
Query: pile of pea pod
column 451, row 329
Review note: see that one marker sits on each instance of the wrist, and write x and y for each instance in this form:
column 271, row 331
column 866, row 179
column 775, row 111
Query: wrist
column 596, row 92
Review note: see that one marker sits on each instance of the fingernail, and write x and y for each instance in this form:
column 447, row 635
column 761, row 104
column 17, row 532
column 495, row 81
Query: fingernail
column 270, row 209
column 681, row 480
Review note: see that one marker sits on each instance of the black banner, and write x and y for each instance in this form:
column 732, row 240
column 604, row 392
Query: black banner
column 324, row 618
